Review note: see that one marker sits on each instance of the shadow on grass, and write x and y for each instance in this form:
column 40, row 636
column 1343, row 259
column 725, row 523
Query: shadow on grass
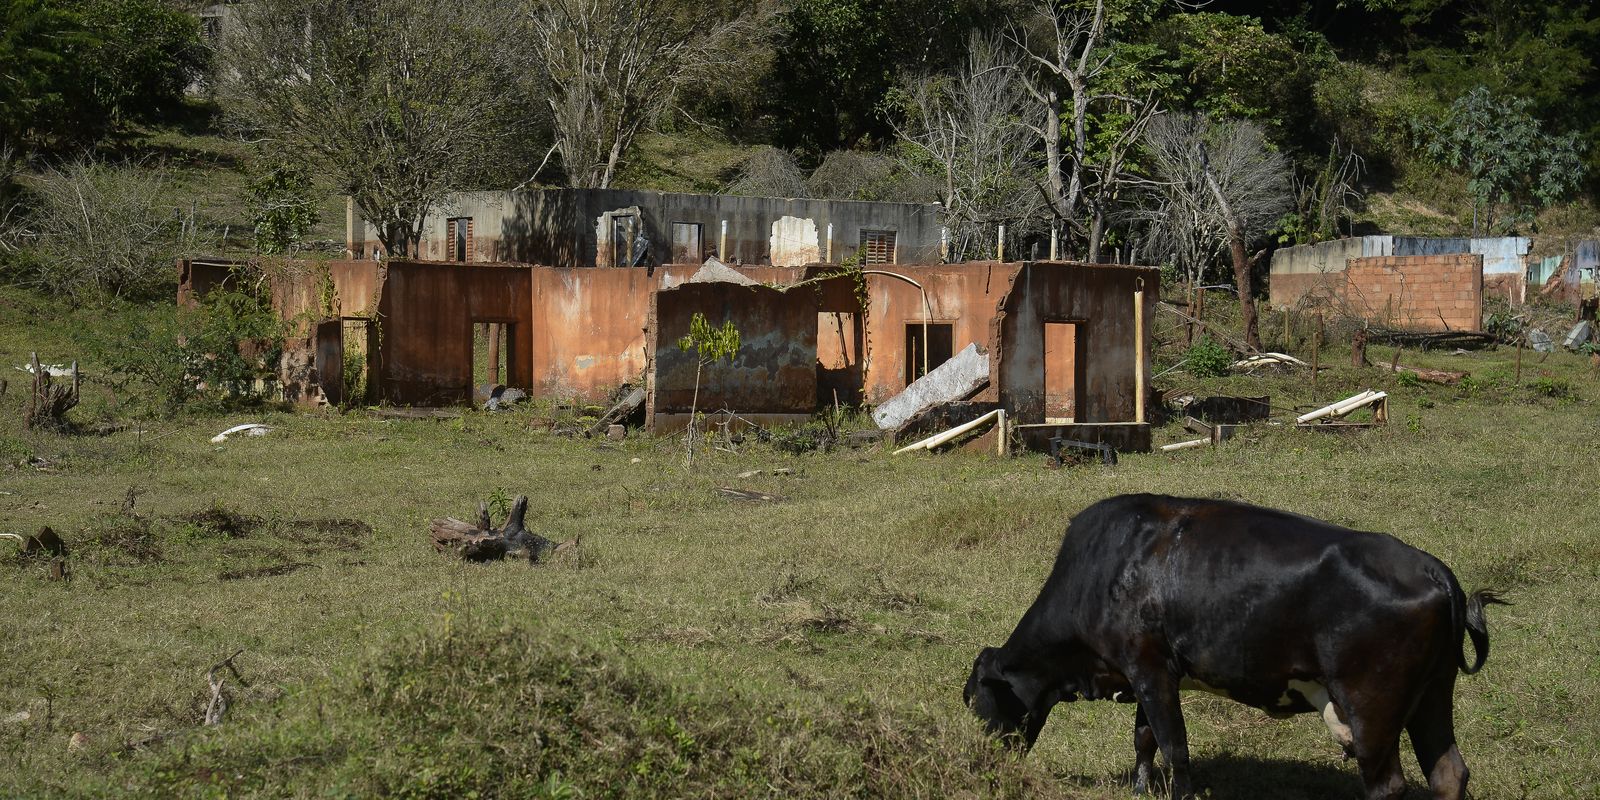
column 1237, row 777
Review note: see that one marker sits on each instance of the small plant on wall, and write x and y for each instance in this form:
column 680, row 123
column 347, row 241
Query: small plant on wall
column 708, row 344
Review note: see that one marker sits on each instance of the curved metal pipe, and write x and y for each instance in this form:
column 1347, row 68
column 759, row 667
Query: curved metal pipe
column 927, row 309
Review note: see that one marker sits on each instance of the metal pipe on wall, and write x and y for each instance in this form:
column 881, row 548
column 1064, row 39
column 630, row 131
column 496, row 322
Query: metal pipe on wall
column 1138, row 350
column 927, row 309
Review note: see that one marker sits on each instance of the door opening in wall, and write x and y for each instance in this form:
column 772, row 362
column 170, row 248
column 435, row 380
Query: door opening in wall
column 624, row 230
column 686, row 243
column 490, row 355
column 938, row 347
column 1063, row 364
column 353, row 368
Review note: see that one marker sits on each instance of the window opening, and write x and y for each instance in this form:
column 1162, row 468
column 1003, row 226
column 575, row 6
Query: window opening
column 938, row 346
column 458, row 233
column 877, row 247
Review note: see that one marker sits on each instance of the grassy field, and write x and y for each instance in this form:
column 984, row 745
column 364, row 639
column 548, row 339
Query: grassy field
column 700, row 646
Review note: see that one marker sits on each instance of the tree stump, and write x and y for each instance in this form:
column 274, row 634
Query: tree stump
column 48, row 403
column 482, row 542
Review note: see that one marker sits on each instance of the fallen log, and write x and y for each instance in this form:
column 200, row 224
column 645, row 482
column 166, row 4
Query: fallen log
column 482, row 542
column 1446, row 377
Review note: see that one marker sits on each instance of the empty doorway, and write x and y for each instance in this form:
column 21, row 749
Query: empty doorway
column 1063, row 357
column 491, row 342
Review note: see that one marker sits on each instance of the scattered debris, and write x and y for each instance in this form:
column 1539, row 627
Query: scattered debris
column 941, row 417
column 1443, row 376
column 48, row 403
column 219, row 700
column 631, row 399
column 636, row 460
column 1580, row 335
column 248, row 429
column 262, row 572
column 1218, row 433
column 1428, row 341
column 616, row 433
column 1326, row 416
column 746, row 494
column 483, row 542
column 1106, row 453
column 502, row 398
column 1226, row 410
column 77, row 741
column 52, row 370
column 754, row 472
column 1540, row 341
column 1265, row 359
column 1167, row 448
column 998, row 416
column 956, row 379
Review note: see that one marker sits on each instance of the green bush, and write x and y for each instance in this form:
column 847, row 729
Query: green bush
column 1208, row 359
column 211, row 353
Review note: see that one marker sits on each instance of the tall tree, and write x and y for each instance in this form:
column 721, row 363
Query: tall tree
column 611, row 68
column 967, row 129
column 1508, row 157
column 402, row 100
column 1223, row 188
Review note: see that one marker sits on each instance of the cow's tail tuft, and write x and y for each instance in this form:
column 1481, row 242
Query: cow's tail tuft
column 1478, row 627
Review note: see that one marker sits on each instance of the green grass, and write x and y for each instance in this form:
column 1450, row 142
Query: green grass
column 698, row 646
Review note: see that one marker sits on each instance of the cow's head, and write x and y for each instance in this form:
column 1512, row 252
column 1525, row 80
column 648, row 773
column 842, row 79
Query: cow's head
column 1014, row 705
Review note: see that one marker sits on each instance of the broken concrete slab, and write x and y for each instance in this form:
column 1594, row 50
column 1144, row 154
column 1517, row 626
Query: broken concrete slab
column 715, row 271
column 1580, row 335
column 965, row 373
column 1540, row 341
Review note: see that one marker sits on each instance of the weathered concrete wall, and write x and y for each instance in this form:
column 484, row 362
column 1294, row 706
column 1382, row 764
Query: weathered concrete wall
column 774, row 372
column 427, row 312
column 591, row 324
column 1424, row 293
column 964, row 296
column 1298, row 272
column 1099, row 299
column 557, row 227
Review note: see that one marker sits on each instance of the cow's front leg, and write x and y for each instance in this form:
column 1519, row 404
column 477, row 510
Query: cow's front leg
column 1157, row 690
column 1144, row 750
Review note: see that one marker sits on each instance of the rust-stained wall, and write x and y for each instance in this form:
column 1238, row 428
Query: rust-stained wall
column 964, row 296
column 1424, row 293
column 774, row 372
column 590, row 331
column 426, row 316
column 1099, row 298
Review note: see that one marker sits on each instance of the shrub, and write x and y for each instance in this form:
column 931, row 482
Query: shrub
column 1208, row 359
column 210, row 353
column 97, row 231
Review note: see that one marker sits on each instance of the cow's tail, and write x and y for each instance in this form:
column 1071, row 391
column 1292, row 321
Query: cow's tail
column 1468, row 613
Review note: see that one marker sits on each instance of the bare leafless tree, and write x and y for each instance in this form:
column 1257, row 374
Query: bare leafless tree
column 1066, row 50
column 1221, row 188
column 967, row 128
column 769, row 172
column 612, row 68
column 104, row 231
column 402, row 100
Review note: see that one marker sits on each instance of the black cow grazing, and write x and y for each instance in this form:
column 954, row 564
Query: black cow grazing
column 1152, row 594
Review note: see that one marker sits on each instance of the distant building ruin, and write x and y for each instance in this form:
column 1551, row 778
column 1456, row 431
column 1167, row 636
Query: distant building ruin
column 628, row 228
column 1063, row 356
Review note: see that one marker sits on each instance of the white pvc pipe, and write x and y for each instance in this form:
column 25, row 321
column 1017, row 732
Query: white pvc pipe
column 1351, row 405
column 940, row 438
column 1166, row 448
column 1329, row 408
column 1138, row 352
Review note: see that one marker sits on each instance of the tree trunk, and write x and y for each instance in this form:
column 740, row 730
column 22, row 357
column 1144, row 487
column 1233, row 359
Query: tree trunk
column 1246, row 287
